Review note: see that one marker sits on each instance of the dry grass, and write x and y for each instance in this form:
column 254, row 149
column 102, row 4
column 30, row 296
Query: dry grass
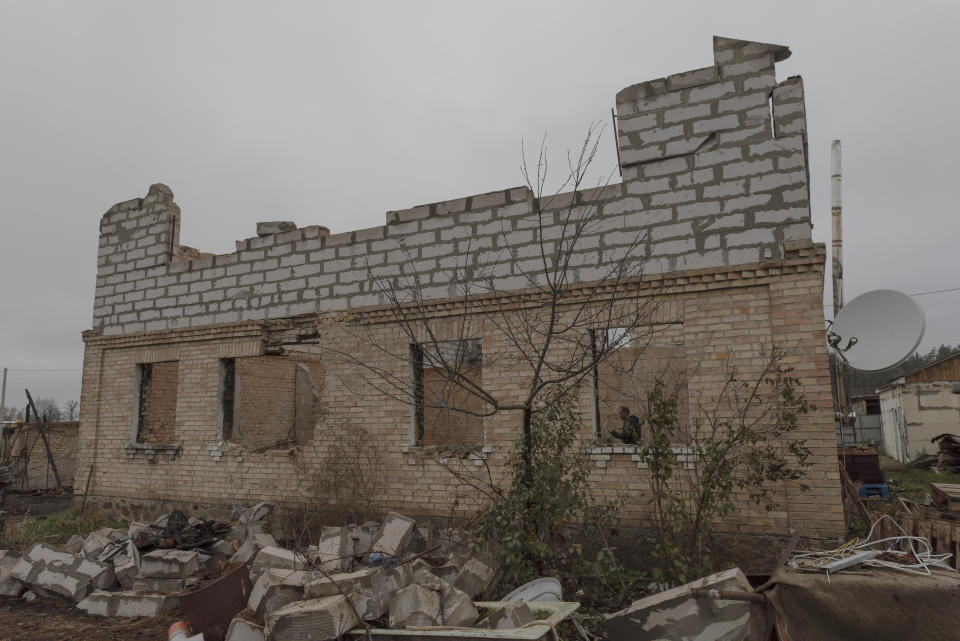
column 23, row 531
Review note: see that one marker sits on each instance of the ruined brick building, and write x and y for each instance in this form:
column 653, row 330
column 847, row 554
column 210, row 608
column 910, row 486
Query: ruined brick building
column 207, row 381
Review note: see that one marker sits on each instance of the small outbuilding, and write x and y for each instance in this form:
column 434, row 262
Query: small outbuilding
column 919, row 406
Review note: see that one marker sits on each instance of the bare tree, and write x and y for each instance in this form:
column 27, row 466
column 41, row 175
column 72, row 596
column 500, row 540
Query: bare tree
column 71, row 408
column 580, row 304
column 49, row 410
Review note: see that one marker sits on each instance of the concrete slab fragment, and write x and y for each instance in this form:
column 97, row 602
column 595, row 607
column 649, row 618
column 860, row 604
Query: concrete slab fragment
column 9, row 586
column 395, row 535
column 245, row 630
column 334, row 552
column 275, row 589
column 342, row 583
column 457, row 608
column 311, row 620
column 414, row 605
column 127, row 604
column 473, row 577
column 48, row 568
column 253, row 544
column 169, row 564
column 277, row 557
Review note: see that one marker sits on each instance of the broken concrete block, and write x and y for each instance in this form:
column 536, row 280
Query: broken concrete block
column 387, row 582
column 428, row 579
column 254, row 543
column 169, row 564
column 222, row 548
column 74, row 545
column 271, row 227
column 48, row 568
column 363, row 537
column 127, row 604
column 514, row 614
column 414, row 605
column 277, row 557
column 258, row 512
column 311, row 620
column 457, row 608
column 660, row 616
column 94, row 543
column 448, row 572
column 395, row 535
column 126, row 566
column 9, row 586
column 161, row 586
column 473, row 577
column 137, row 528
column 276, row 588
column 242, row 629
column 366, row 604
column 334, row 553
column 343, row 583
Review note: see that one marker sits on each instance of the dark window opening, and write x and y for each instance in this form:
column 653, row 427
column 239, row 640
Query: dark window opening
column 228, row 369
column 446, row 377
column 270, row 402
column 157, row 402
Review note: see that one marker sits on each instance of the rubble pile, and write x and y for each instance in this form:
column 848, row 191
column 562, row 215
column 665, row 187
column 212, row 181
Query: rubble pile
column 393, row 574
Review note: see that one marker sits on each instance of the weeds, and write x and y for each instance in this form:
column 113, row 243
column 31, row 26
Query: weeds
column 23, row 531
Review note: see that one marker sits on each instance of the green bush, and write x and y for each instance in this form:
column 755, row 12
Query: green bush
column 536, row 525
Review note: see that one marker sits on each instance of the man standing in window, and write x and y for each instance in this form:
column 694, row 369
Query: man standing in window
column 630, row 433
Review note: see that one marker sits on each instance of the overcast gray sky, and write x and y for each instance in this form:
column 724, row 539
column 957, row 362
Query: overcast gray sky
column 334, row 113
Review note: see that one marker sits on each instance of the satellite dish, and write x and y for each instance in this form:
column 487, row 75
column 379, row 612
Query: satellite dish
column 887, row 327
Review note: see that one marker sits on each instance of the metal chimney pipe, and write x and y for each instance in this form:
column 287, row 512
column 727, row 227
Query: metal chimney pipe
column 836, row 211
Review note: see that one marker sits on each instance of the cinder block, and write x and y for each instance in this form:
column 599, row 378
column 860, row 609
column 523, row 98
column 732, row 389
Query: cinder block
column 342, row 583
column 395, row 535
column 414, row 605
column 242, row 629
column 457, row 608
column 473, row 577
column 127, row 604
column 275, row 589
column 279, row 558
column 312, row 620
column 169, row 564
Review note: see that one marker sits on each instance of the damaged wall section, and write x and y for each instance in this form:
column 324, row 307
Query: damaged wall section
column 714, row 182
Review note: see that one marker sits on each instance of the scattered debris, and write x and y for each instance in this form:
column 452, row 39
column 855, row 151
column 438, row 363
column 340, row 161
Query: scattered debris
column 946, row 497
column 948, row 458
column 903, row 552
column 395, row 574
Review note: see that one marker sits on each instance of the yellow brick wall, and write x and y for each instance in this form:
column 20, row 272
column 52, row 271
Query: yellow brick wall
column 729, row 316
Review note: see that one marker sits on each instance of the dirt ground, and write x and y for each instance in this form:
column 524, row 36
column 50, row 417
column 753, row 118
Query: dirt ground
column 39, row 502
column 54, row 620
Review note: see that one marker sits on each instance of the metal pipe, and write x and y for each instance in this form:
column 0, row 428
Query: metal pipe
column 836, row 211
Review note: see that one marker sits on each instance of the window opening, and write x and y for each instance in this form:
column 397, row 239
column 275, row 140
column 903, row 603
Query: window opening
column 446, row 410
column 157, row 402
column 630, row 371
